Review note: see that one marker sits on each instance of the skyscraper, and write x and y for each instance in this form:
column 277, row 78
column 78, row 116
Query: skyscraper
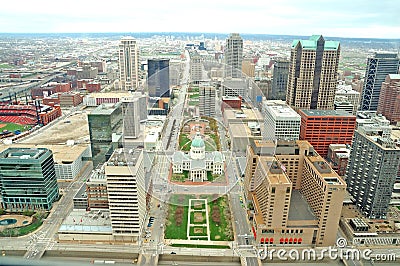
column 313, row 73
column 378, row 67
column 131, row 117
column 279, row 80
column 207, row 100
column 27, row 179
column 129, row 64
column 372, row 169
column 158, row 77
column 389, row 99
column 196, row 67
column 233, row 56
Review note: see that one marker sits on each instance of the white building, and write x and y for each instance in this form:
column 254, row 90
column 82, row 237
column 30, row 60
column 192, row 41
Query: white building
column 196, row 67
column 280, row 121
column 126, row 194
column 352, row 96
column 198, row 162
column 233, row 56
column 128, row 64
column 234, row 87
column 207, row 100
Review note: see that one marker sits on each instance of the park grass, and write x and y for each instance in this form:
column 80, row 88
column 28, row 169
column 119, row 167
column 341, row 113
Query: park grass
column 172, row 230
column 192, row 233
column 219, row 231
column 5, row 65
column 194, row 96
column 184, row 142
column 200, row 246
column 180, row 177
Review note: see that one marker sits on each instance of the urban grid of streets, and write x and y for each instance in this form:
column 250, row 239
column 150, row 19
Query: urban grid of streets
column 46, row 237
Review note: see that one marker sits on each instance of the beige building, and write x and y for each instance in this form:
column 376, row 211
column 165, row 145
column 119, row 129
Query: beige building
column 313, row 73
column 126, row 194
column 296, row 197
column 129, row 64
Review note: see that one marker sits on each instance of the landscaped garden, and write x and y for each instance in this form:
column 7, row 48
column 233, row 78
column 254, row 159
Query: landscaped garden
column 37, row 221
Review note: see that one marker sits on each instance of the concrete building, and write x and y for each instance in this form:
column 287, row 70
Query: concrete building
column 313, row 73
column 296, row 197
column 324, row 127
column 131, row 117
column 80, row 199
column 234, row 87
column 372, row 169
column 68, row 99
column 248, row 67
column 105, row 129
column 207, row 100
column 128, row 64
column 126, row 194
column 96, row 190
column 345, row 94
column 389, row 99
column 196, row 67
column 233, row 53
column 240, row 135
column 28, row 179
column 280, row 121
column 378, row 67
column 279, row 80
column 338, row 157
column 158, row 77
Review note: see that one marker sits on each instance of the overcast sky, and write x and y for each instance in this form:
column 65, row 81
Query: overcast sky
column 339, row 18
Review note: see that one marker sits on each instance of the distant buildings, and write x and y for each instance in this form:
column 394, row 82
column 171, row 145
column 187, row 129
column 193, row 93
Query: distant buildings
column 196, row 67
column 378, row 67
column 128, row 64
column 158, row 77
column 313, row 73
column 295, row 197
column 125, row 177
column 389, row 99
column 347, row 99
column 233, row 56
column 207, row 100
column 279, row 80
column 324, row 127
column 28, row 179
column 280, row 121
column 234, row 87
column 372, row 169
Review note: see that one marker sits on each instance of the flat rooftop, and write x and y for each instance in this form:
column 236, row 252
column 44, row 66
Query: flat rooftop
column 326, row 113
column 278, row 110
column 90, row 222
column 105, row 108
column 299, row 209
column 116, row 94
column 22, row 153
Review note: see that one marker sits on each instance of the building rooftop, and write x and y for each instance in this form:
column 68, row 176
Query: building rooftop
column 116, row 94
column 22, row 153
column 311, row 44
column 299, row 208
column 282, row 111
column 274, row 172
column 105, row 109
column 90, row 222
column 325, row 113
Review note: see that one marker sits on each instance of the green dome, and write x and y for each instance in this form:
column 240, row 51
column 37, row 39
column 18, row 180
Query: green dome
column 198, row 142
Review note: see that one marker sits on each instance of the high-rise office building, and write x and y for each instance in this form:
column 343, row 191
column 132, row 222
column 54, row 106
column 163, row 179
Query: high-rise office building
column 131, row 117
column 196, row 67
column 105, row 130
column 280, row 121
column 389, row 99
column 27, row 179
column 126, row 194
column 324, row 127
column 233, row 56
column 297, row 197
column 372, row 169
column 378, row 67
column 346, row 96
column 207, row 100
column 279, row 80
column 158, row 77
column 129, row 64
column 313, row 73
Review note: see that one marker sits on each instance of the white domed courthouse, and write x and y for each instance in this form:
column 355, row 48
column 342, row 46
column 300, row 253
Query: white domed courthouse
column 198, row 162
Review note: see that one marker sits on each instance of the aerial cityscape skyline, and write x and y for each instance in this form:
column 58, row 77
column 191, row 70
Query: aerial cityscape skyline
column 357, row 19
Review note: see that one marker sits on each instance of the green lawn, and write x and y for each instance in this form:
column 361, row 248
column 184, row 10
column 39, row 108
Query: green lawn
column 192, row 220
column 24, row 230
column 172, row 229
column 5, row 65
column 199, row 246
column 184, row 142
column 222, row 231
column 180, row 177
column 203, row 233
column 12, row 127
column 193, row 103
column 194, row 96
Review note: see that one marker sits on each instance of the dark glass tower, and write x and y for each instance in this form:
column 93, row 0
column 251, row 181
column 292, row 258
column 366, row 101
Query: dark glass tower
column 158, row 77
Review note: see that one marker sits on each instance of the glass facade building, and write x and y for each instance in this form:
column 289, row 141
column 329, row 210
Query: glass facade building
column 28, row 179
column 158, row 77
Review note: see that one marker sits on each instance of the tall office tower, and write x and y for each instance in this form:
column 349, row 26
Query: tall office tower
column 297, row 197
column 389, row 99
column 372, row 169
column 345, row 94
column 279, row 80
column 27, row 179
column 378, row 67
column 313, row 73
column 196, row 67
column 280, row 121
column 105, row 126
column 131, row 117
column 126, row 194
column 207, row 100
column 324, row 127
column 158, row 77
column 233, row 56
column 129, row 64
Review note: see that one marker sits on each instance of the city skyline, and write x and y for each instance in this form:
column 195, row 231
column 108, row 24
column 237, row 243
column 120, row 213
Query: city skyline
column 356, row 19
